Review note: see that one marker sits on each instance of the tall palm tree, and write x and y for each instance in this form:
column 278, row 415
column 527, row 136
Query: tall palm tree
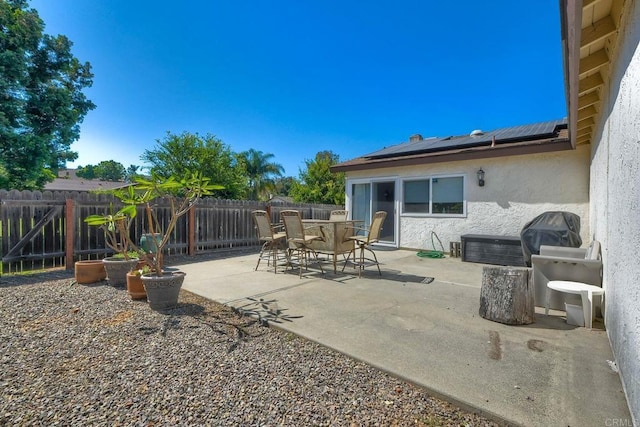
column 261, row 171
column 131, row 173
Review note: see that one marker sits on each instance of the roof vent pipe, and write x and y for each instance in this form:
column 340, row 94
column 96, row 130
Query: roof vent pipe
column 476, row 132
column 415, row 138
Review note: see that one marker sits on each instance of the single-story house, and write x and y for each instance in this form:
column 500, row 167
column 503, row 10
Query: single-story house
column 485, row 182
column 67, row 180
column 595, row 175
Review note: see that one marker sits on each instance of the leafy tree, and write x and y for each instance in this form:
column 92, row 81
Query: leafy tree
column 41, row 99
column 182, row 155
column 110, row 170
column 261, row 172
column 86, row 172
column 318, row 184
column 284, row 185
column 4, row 175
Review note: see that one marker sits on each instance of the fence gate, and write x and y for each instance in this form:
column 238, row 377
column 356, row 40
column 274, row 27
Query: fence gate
column 31, row 232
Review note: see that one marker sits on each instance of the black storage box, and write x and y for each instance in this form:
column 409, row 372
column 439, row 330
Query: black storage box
column 487, row 249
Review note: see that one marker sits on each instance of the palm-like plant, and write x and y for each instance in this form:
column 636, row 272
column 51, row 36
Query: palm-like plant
column 116, row 227
column 181, row 195
column 261, row 171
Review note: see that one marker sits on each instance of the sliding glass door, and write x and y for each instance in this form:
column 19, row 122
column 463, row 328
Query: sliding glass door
column 383, row 193
column 369, row 196
column 361, row 202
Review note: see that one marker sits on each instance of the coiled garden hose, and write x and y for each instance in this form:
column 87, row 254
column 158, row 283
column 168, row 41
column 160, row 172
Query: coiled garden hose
column 433, row 253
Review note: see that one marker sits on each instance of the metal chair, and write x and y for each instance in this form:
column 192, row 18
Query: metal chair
column 299, row 240
column 363, row 242
column 272, row 239
column 338, row 215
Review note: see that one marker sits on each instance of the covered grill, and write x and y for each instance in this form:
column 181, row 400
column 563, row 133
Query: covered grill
column 550, row 228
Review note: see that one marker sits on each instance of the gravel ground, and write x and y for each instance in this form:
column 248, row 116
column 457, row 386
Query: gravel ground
column 87, row 355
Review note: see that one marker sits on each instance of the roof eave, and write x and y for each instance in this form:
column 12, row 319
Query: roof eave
column 571, row 23
column 514, row 149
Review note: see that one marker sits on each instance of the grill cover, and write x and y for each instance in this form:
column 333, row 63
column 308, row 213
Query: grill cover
column 550, row 228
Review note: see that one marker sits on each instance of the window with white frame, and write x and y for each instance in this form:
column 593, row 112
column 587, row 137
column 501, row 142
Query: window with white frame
column 433, row 195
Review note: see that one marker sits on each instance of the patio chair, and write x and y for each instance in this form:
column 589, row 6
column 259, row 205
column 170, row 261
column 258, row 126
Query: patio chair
column 299, row 240
column 582, row 265
column 339, row 215
column 273, row 240
column 364, row 242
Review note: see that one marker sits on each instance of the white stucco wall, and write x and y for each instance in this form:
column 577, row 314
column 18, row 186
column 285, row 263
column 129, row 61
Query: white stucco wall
column 615, row 204
column 517, row 189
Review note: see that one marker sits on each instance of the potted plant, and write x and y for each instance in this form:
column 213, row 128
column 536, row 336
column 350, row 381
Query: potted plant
column 89, row 271
column 163, row 287
column 135, row 287
column 116, row 227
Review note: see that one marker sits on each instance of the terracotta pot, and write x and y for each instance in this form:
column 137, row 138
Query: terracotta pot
column 135, row 286
column 163, row 291
column 89, row 271
column 117, row 270
column 141, row 263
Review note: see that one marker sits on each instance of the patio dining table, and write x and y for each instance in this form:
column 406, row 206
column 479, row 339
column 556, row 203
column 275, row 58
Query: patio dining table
column 335, row 236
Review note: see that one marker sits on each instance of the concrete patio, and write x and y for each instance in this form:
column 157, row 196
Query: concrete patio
column 429, row 333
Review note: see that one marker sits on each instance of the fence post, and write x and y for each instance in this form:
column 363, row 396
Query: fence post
column 192, row 231
column 70, row 234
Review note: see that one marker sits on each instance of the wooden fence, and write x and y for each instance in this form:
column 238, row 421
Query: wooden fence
column 40, row 230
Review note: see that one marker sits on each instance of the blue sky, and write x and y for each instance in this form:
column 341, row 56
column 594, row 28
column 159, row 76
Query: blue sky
column 292, row 77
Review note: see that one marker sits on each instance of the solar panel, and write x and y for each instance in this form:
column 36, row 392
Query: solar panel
column 516, row 133
column 424, row 144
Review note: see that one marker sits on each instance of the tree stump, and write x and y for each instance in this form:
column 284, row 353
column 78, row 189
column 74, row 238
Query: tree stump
column 507, row 295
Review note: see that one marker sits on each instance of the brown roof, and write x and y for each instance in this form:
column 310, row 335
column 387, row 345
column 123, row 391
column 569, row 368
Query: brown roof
column 434, row 152
column 69, row 184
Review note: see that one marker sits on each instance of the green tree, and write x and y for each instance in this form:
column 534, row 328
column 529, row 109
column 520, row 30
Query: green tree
column 284, row 185
column 86, row 172
column 107, row 170
column 182, row 155
column 260, row 172
column 4, row 175
column 110, row 170
column 41, row 99
column 317, row 184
